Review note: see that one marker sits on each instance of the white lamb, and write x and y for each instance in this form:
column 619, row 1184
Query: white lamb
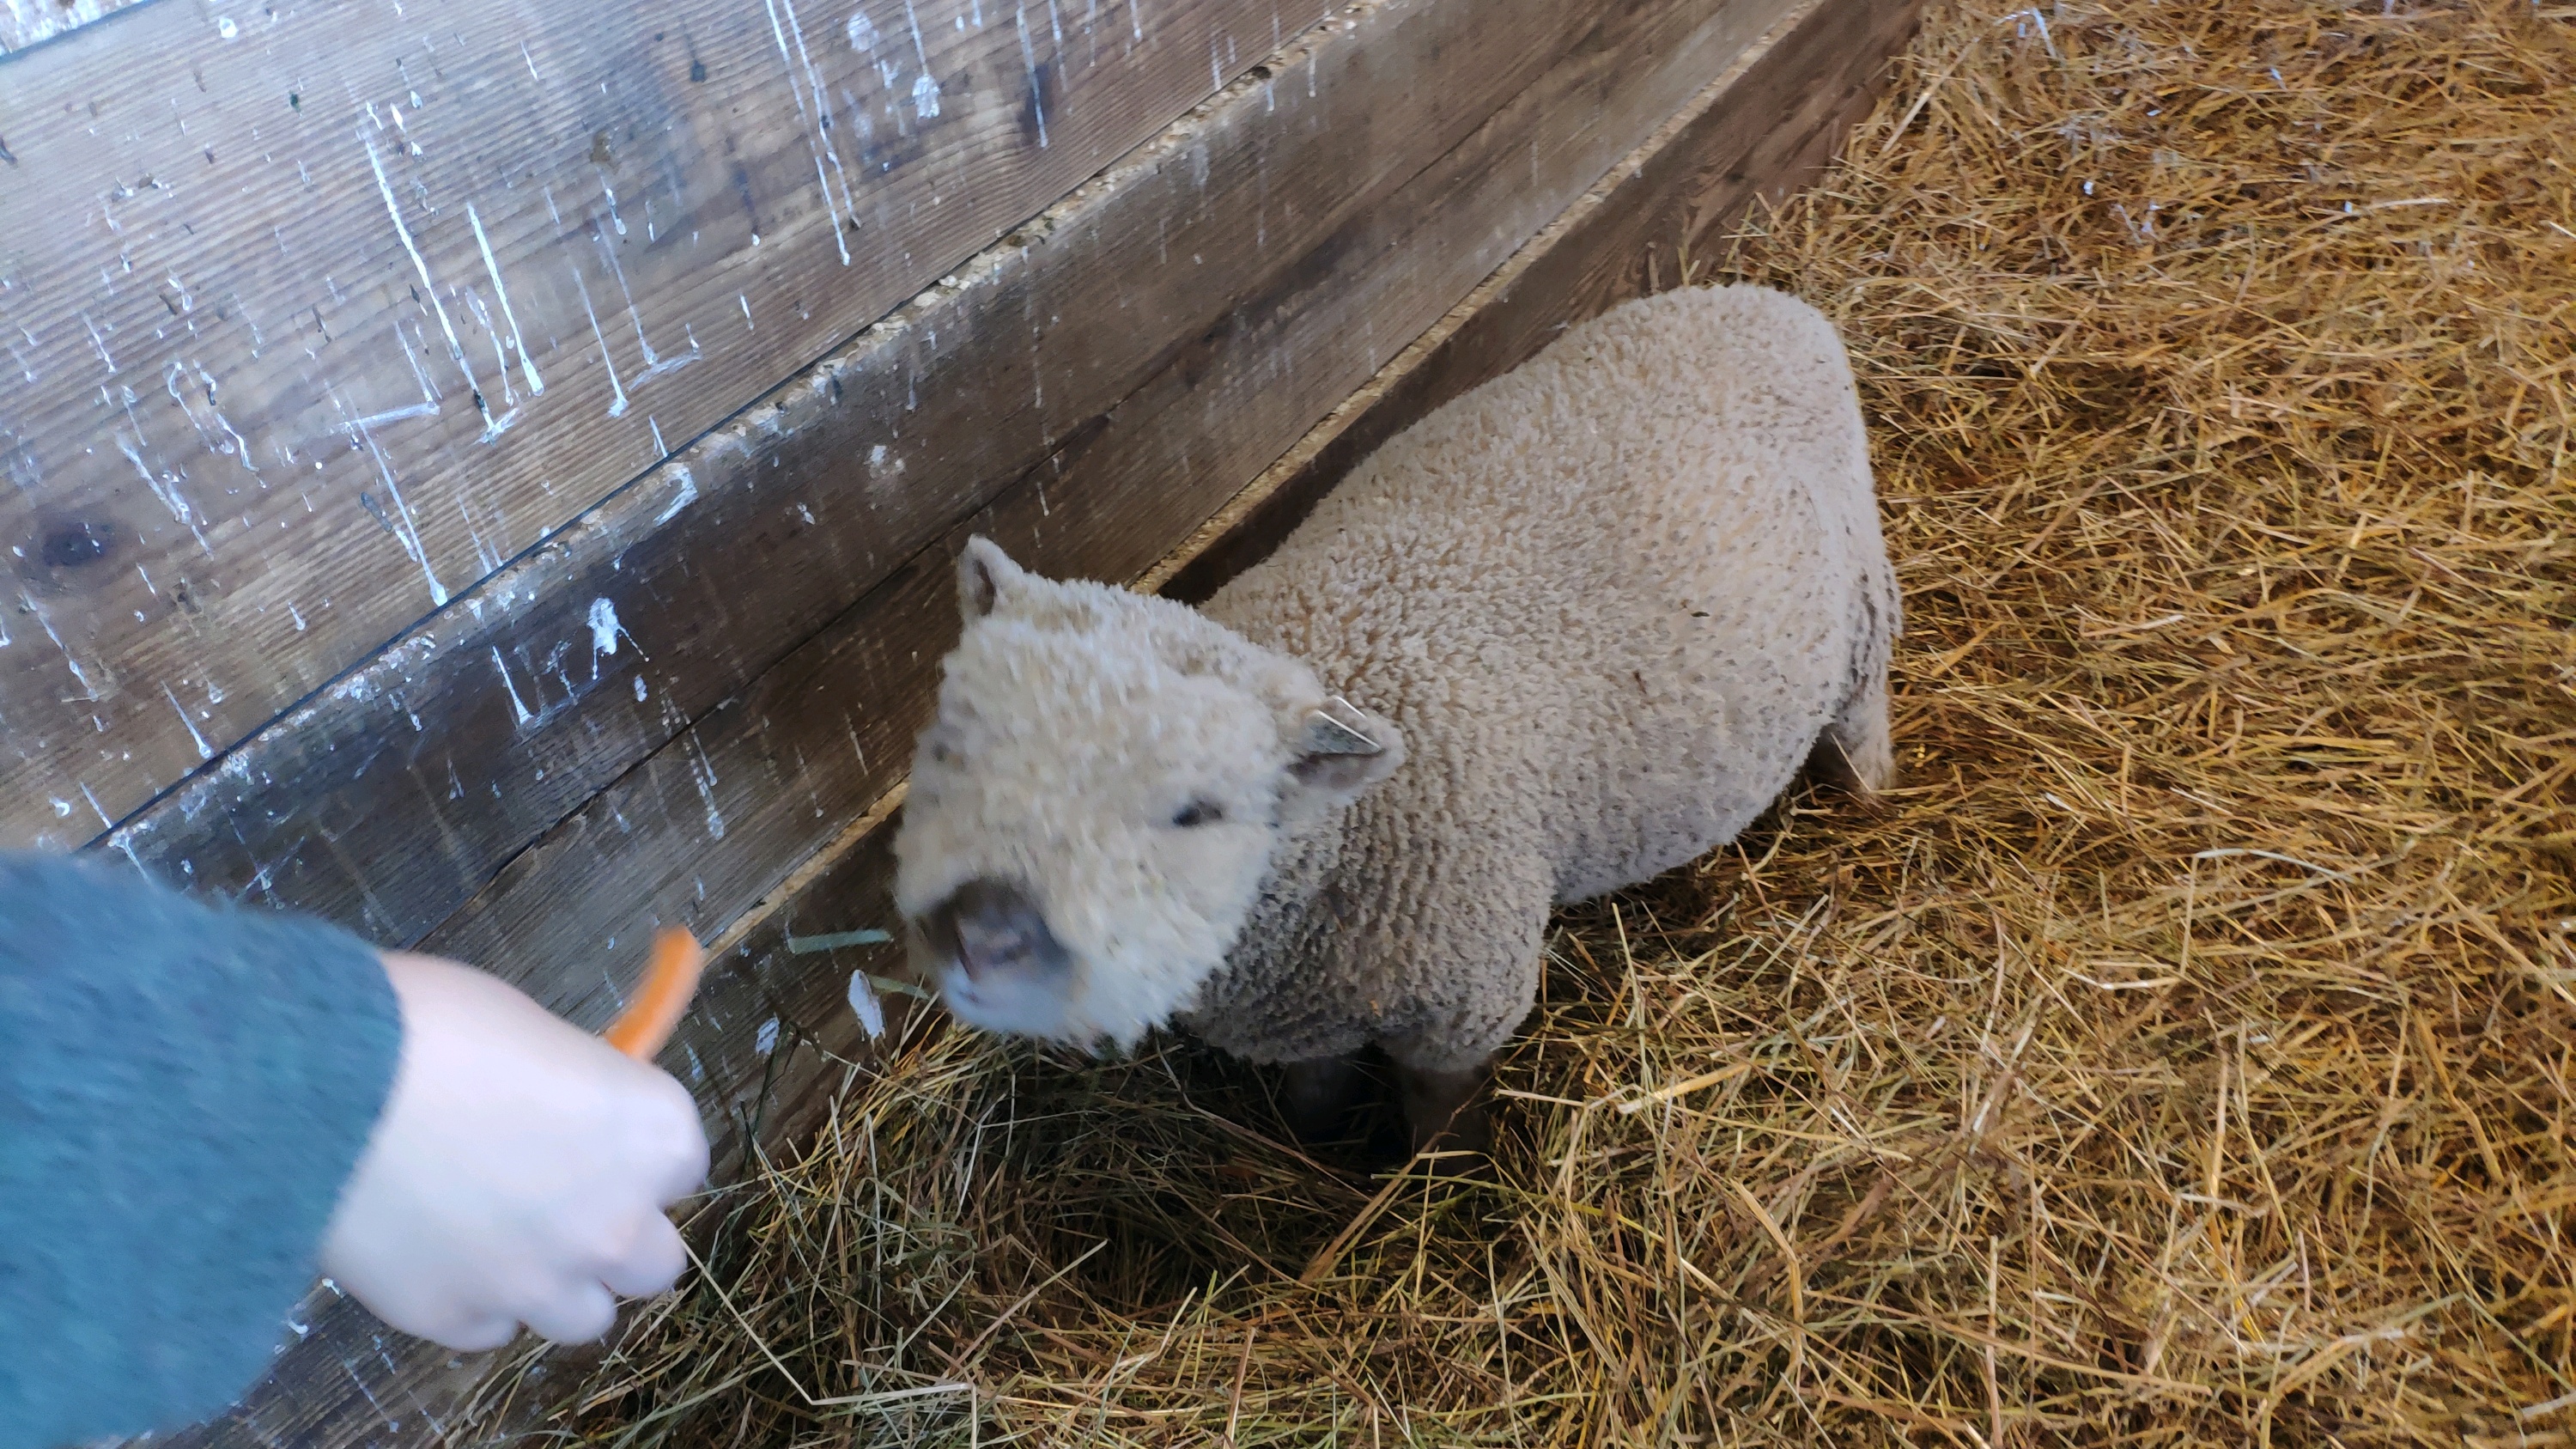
column 1596, row 614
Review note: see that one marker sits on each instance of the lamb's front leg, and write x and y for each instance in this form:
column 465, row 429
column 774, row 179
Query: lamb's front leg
column 1446, row 1109
column 1493, row 925
column 1315, row 1096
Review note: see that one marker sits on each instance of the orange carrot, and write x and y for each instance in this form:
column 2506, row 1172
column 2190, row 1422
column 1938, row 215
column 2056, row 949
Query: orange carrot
column 670, row 979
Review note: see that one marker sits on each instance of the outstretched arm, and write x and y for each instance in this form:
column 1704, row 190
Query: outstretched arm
column 183, row 1089
column 199, row 1102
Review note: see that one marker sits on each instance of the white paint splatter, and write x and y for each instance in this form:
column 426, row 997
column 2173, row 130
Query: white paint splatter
column 165, row 489
column 429, row 392
column 912, row 18
column 688, row 494
column 527, row 364
column 416, row 410
column 204, row 751
column 485, row 555
column 703, row 771
column 518, row 706
column 639, row 689
column 925, row 91
column 409, row 534
column 226, row 28
column 455, row 349
column 862, row 31
column 500, row 359
column 766, row 1039
column 604, row 630
column 603, row 626
column 1029, row 61
column 654, row 366
column 617, row 390
column 863, row 1003
column 817, row 121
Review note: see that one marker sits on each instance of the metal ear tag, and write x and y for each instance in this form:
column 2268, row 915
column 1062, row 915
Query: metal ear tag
column 1335, row 728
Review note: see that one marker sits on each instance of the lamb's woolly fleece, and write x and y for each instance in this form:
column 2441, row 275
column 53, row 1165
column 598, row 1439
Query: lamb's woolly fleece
column 1612, row 599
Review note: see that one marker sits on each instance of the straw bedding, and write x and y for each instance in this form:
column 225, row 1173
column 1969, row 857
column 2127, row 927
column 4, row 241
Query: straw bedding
column 2186, row 1054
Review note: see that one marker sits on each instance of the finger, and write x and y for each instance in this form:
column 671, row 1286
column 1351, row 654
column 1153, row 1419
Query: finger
column 678, row 1141
column 476, row 1334
column 451, row 1327
column 577, row 1313
column 651, row 1262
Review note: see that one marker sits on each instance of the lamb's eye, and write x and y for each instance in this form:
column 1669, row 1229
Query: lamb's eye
column 1199, row 812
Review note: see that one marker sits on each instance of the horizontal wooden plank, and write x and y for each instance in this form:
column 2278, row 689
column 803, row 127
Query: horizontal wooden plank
column 31, row 22
column 1768, row 127
column 480, row 732
column 705, row 826
column 315, row 315
column 1765, row 122
column 481, row 729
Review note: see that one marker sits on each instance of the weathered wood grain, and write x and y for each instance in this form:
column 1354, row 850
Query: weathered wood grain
column 480, row 732
column 710, row 821
column 27, row 22
column 1767, row 127
column 1763, row 124
column 315, row 315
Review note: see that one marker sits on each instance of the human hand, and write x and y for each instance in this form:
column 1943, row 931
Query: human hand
column 517, row 1174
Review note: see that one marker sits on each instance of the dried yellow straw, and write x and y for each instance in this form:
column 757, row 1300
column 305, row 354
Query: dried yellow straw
column 2187, row 1054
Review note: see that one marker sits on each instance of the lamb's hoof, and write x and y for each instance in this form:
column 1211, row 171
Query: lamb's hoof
column 1448, row 1114
column 1315, row 1098
column 1863, row 781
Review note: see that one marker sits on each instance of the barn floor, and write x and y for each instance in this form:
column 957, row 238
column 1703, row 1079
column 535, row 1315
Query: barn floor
column 2186, row 1054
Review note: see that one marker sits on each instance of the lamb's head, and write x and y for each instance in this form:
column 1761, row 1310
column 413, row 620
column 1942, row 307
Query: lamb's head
column 1095, row 807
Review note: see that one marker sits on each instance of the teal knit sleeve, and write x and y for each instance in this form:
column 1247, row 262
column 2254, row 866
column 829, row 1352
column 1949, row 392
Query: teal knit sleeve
column 184, row 1088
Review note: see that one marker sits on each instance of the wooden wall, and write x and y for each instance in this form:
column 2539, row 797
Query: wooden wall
column 412, row 525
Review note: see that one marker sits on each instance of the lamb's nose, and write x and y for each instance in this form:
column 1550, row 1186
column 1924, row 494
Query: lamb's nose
column 993, row 926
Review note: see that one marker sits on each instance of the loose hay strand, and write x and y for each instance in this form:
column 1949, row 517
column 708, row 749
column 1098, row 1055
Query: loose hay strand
column 2186, row 1052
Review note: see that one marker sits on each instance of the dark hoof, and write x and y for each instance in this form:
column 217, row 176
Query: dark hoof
column 1315, row 1098
column 1447, row 1111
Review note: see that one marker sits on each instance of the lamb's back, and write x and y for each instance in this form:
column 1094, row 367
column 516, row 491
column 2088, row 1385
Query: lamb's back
column 1610, row 598
column 1619, row 580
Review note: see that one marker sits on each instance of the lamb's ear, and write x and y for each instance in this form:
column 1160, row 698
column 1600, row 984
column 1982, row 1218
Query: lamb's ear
column 1343, row 750
column 984, row 575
